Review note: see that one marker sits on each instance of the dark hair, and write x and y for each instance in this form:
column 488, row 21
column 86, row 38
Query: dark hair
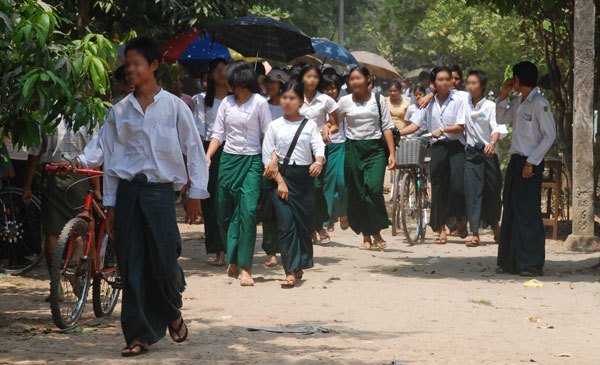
column 294, row 71
column 527, row 73
column 457, row 69
column 120, row 74
column 481, row 76
column 329, row 71
column 420, row 88
column 306, row 69
column 436, row 70
column 147, row 46
column 361, row 69
column 241, row 74
column 424, row 75
column 331, row 80
column 294, row 86
column 211, row 89
column 396, row 83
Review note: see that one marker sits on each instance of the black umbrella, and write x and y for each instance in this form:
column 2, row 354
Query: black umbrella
column 261, row 36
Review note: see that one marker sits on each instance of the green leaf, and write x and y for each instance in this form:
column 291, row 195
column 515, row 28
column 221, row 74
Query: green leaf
column 28, row 84
column 44, row 77
column 547, row 25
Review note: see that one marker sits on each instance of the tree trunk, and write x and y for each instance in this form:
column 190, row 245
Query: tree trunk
column 83, row 14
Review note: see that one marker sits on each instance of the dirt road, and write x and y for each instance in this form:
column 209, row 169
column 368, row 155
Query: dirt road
column 403, row 304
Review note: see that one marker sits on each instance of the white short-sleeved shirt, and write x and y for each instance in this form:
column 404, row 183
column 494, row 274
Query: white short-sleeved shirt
column 319, row 108
column 534, row 129
column 452, row 112
column 279, row 137
column 62, row 142
column 242, row 126
column 481, row 122
column 152, row 142
column 276, row 111
column 362, row 118
column 415, row 115
column 205, row 115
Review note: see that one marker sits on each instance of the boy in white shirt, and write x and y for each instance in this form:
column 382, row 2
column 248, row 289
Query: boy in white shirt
column 522, row 235
column 142, row 145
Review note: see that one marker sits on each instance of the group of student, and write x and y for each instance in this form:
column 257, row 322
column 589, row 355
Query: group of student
column 290, row 152
column 466, row 182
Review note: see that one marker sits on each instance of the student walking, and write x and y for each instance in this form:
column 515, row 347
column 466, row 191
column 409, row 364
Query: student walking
column 483, row 180
column 150, row 148
column 322, row 109
column 445, row 119
column 522, row 235
column 241, row 123
column 369, row 135
column 206, row 106
column 292, row 141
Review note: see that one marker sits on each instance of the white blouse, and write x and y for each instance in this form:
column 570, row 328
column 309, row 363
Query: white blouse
column 205, row 115
column 242, row 126
column 319, row 108
column 362, row 118
column 279, row 137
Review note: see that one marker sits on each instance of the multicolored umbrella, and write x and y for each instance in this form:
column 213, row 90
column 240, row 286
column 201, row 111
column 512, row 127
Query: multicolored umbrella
column 194, row 51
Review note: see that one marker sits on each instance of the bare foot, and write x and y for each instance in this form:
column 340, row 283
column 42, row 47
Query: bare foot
column 271, row 261
column 367, row 243
column 233, row 271
column 246, row 278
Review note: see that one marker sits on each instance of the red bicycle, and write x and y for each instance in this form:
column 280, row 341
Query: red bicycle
column 84, row 254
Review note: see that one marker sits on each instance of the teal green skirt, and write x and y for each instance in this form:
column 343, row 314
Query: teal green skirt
column 334, row 189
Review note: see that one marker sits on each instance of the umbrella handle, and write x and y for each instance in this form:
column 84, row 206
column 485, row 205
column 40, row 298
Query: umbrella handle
column 256, row 61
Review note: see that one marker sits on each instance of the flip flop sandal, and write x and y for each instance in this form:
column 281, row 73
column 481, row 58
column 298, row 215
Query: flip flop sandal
column 288, row 284
column 441, row 241
column 473, row 244
column 173, row 332
column 366, row 246
column 324, row 239
column 130, row 353
column 380, row 245
column 299, row 273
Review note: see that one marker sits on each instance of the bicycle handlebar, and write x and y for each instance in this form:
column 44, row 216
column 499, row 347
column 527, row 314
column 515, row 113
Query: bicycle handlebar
column 64, row 167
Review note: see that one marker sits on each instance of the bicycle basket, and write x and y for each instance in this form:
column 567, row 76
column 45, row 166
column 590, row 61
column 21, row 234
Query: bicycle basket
column 411, row 152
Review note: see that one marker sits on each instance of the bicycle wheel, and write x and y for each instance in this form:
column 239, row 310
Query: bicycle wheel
column 410, row 205
column 104, row 295
column 21, row 242
column 70, row 274
column 396, row 211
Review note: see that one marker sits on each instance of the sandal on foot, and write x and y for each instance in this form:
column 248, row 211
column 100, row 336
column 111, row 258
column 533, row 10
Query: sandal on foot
column 271, row 261
column 233, row 273
column 216, row 262
column 475, row 242
column 288, row 283
column 366, row 246
column 299, row 273
column 325, row 239
column 173, row 332
column 128, row 351
column 441, row 241
column 380, row 244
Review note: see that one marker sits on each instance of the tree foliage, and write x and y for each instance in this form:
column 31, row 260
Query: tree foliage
column 44, row 73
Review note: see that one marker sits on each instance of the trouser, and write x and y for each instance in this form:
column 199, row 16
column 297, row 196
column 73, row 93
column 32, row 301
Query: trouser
column 212, row 234
column 147, row 246
column 522, row 234
column 447, row 183
column 238, row 194
column 483, row 184
column 365, row 171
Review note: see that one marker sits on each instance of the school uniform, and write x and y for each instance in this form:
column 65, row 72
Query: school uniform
column 294, row 215
column 334, row 187
column 241, row 128
column 144, row 165
column 447, row 160
column 365, row 162
column 63, row 196
column 415, row 115
column 205, row 120
column 318, row 110
column 483, row 180
column 269, row 243
column 522, row 234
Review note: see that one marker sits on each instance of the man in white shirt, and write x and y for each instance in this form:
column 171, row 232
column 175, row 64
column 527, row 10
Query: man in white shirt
column 522, row 235
column 483, row 180
column 142, row 145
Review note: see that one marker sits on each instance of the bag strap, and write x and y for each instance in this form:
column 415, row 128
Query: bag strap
column 378, row 101
column 288, row 156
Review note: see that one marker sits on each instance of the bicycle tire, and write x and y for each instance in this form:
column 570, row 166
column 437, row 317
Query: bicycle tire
column 58, row 293
column 410, row 208
column 104, row 295
column 396, row 211
column 29, row 240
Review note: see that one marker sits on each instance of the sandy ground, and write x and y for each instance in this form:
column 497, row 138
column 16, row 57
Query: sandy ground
column 379, row 307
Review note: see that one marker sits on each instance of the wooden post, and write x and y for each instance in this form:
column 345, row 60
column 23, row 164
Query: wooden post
column 583, row 237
